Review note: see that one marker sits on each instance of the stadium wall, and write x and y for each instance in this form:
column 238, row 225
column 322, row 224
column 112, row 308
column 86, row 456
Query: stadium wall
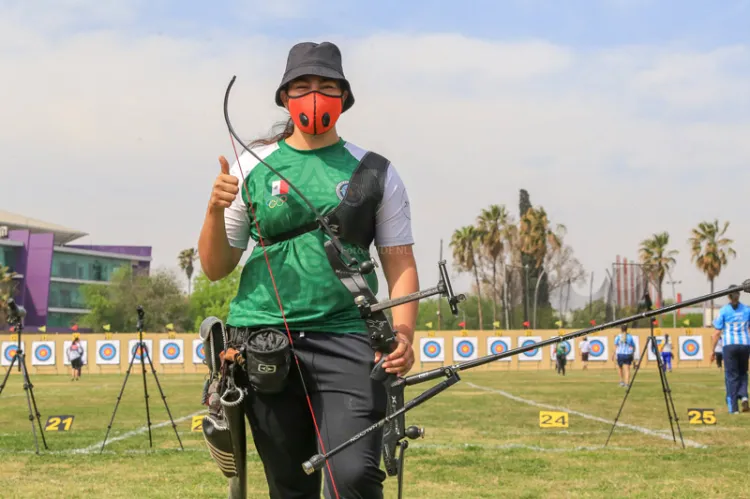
column 182, row 353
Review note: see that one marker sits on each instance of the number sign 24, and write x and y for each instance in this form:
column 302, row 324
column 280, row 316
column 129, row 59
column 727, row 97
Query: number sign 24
column 59, row 423
column 553, row 419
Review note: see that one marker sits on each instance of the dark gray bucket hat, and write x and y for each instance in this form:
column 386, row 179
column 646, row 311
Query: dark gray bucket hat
column 318, row 59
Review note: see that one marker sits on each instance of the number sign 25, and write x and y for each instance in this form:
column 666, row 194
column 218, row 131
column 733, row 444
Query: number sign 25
column 702, row 416
column 59, row 423
column 552, row 419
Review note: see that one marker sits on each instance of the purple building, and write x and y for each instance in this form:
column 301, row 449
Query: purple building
column 49, row 271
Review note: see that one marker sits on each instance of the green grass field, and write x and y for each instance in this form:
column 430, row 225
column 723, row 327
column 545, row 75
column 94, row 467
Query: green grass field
column 482, row 440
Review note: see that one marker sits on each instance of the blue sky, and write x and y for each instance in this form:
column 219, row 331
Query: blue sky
column 579, row 23
column 589, row 105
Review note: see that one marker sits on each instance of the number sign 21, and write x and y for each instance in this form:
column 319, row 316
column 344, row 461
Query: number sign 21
column 59, row 423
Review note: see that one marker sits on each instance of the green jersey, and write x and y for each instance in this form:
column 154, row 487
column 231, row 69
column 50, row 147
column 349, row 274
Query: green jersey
column 313, row 298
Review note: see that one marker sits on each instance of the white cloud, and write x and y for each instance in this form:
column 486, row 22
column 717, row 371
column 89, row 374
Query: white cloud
column 119, row 135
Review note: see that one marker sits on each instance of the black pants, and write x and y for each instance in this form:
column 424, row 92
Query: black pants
column 561, row 361
column 336, row 370
column 735, row 374
column 719, row 357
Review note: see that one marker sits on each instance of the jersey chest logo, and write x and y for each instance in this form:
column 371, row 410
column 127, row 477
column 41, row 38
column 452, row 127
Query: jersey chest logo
column 341, row 189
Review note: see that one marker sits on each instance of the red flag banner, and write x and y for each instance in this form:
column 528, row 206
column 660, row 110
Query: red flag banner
column 592, row 322
column 75, row 327
column 462, row 324
column 526, row 324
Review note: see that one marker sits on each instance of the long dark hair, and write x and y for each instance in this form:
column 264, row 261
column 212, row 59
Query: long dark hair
column 280, row 131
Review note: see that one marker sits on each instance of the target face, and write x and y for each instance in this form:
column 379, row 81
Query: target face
column 107, row 351
column 171, row 350
column 432, row 349
column 690, row 348
column 200, row 351
column 43, row 352
column 465, row 348
column 10, row 352
column 498, row 346
column 597, row 348
column 530, row 353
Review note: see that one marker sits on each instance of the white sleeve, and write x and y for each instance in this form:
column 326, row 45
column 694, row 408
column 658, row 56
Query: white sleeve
column 236, row 219
column 393, row 218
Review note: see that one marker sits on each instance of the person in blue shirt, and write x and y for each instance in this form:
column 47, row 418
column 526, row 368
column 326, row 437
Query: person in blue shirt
column 624, row 352
column 732, row 327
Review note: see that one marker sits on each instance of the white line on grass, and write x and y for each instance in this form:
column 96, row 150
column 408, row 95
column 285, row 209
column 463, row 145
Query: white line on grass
column 639, row 429
column 142, row 429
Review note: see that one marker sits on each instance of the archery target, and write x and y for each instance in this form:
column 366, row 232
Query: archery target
column 199, row 353
column 650, row 352
column 498, row 344
column 598, row 348
column 84, row 344
column 42, row 353
column 691, row 347
column 525, row 341
column 171, row 351
column 9, row 351
column 432, row 349
column 570, row 353
column 108, row 352
column 464, row 348
column 134, row 349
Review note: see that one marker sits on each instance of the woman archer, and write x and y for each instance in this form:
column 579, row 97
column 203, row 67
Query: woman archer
column 249, row 201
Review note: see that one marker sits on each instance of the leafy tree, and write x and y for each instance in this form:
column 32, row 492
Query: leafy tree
column 115, row 304
column 710, row 251
column 213, row 298
column 185, row 260
column 7, row 288
column 657, row 259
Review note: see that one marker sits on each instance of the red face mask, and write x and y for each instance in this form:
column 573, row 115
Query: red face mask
column 315, row 113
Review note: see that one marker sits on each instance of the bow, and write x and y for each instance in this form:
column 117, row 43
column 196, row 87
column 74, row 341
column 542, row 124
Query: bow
column 379, row 329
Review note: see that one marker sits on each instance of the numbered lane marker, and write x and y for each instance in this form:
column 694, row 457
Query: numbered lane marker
column 553, row 419
column 197, row 423
column 702, row 416
column 59, row 423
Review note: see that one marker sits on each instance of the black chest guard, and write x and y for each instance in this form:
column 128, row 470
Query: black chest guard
column 353, row 220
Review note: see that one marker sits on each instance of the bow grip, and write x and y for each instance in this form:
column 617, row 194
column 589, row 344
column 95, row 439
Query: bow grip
column 378, row 372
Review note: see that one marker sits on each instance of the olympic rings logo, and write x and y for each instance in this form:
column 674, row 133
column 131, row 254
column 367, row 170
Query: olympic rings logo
column 276, row 201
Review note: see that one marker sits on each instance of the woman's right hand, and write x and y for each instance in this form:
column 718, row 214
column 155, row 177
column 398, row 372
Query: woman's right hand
column 226, row 188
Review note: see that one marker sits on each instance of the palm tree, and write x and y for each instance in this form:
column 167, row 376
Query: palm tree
column 465, row 255
column 657, row 259
column 186, row 259
column 491, row 223
column 710, row 251
column 536, row 235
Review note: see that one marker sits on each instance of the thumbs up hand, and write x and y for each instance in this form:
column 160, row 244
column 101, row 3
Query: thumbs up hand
column 226, row 188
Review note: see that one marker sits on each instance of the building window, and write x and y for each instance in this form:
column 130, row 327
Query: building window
column 85, row 267
column 66, row 295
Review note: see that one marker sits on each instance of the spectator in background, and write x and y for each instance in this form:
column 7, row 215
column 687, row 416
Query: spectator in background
column 75, row 356
column 585, row 349
column 718, row 352
column 732, row 327
column 562, row 359
column 666, row 353
column 624, row 351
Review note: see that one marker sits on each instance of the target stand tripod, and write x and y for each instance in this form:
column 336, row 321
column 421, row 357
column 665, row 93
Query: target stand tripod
column 15, row 320
column 144, row 353
column 674, row 420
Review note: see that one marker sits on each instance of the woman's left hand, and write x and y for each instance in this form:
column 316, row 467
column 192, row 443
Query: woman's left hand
column 401, row 360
